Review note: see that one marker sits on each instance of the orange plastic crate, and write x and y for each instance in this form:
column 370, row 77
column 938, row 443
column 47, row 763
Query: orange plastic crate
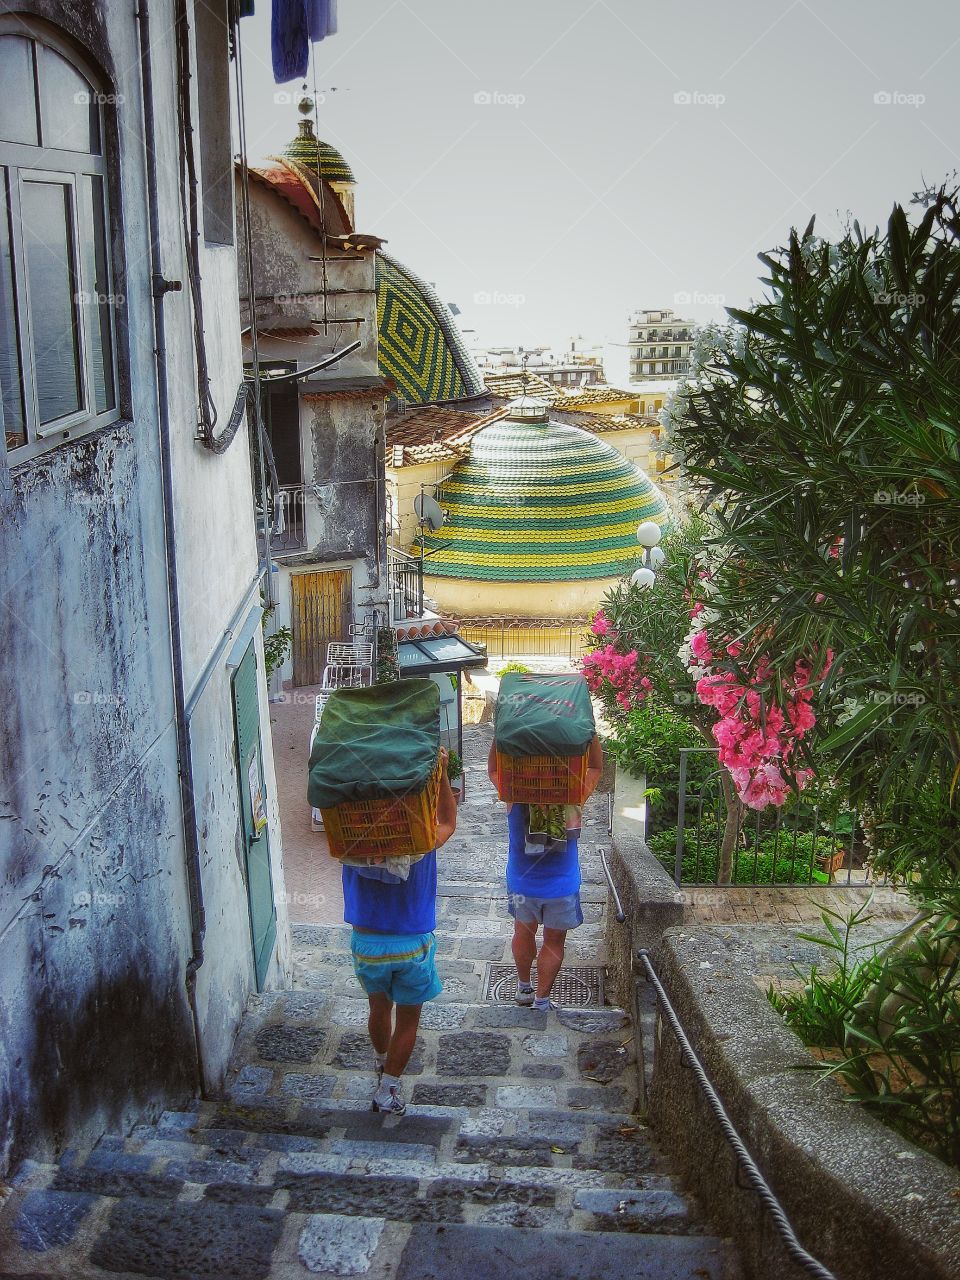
column 385, row 828
column 541, row 779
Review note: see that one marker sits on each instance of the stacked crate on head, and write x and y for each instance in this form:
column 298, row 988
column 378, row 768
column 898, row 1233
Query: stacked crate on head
column 542, row 733
column 375, row 770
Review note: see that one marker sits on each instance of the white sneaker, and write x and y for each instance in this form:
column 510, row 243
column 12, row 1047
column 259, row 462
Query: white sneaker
column 391, row 1101
column 546, row 1004
column 525, row 998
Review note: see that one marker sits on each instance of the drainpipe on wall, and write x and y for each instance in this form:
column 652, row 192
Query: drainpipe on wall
column 160, row 288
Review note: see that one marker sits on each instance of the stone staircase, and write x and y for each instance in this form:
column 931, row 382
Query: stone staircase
column 521, row 1147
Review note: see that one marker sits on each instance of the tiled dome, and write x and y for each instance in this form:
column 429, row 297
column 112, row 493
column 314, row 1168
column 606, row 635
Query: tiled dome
column 539, row 500
column 420, row 346
column 306, row 150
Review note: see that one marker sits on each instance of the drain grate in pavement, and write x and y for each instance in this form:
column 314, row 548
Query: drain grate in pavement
column 575, row 987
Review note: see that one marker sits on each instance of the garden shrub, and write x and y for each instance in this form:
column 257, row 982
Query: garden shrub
column 890, row 1022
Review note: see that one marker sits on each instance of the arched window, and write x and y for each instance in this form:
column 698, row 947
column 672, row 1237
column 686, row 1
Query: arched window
column 57, row 332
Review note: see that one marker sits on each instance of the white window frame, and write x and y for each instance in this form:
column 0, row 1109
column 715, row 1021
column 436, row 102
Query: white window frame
column 25, row 163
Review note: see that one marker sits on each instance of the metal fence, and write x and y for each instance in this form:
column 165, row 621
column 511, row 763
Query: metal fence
column 509, row 638
column 406, row 584
column 811, row 841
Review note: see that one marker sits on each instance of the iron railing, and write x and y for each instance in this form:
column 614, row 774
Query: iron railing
column 517, row 638
column 809, row 842
column 288, row 531
column 406, row 584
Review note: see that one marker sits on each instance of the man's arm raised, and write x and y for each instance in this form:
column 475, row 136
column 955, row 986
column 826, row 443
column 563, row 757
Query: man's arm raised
column 446, row 805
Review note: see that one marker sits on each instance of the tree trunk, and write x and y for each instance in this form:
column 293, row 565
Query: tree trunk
column 731, row 830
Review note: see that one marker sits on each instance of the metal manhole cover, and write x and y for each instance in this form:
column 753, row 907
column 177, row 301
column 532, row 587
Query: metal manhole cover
column 575, row 987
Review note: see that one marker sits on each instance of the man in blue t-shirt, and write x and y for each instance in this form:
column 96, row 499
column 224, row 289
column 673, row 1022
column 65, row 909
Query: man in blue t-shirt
column 393, row 950
column 543, row 883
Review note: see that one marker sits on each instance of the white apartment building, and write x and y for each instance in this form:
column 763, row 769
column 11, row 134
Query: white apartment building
column 660, row 345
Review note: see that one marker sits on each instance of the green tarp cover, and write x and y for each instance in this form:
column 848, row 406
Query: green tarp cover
column 374, row 743
column 539, row 715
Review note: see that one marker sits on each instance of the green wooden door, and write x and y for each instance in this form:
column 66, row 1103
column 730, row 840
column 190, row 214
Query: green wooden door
column 256, row 833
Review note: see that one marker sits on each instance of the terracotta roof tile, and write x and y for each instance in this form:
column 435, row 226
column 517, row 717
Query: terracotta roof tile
column 433, row 433
column 603, row 422
column 596, row 395
column 511, row 385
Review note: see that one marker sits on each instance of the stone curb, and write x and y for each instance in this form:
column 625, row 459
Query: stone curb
column 862, row 1199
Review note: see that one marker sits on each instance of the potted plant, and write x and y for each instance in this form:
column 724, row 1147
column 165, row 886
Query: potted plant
column 455, row 774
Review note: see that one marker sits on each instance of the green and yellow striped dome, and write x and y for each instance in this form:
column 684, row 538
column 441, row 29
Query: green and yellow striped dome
column 306, row 150
column 538, row 500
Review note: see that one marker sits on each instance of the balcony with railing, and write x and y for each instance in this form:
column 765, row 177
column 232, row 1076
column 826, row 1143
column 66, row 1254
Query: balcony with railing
column 406, row 585
column 288, row 526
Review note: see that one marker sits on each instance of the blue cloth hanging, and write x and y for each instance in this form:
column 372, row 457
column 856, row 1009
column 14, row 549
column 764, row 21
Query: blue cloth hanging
column 294, row 23
column 321, row 18
column 289, row 44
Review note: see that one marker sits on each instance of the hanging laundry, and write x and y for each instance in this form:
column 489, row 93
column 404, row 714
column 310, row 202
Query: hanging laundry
column 321, row 18
column 288, row 40
column 294, row 23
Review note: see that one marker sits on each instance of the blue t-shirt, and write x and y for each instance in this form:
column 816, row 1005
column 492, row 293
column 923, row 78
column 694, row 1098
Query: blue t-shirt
column 409, row 907
column 547, row 875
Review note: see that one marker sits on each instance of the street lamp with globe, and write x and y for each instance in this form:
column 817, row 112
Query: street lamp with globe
column 648, row 535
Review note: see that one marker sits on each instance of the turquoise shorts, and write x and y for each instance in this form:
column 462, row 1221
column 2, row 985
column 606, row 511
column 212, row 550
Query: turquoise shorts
column 400, row 966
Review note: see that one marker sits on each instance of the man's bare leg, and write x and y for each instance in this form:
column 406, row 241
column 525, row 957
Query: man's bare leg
column 524, row 948
column 549, row 960
column 403, row 1039
column 380, row 1023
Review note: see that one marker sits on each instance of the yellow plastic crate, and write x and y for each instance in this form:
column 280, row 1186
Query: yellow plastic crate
column 541, row 779
column 384, row 828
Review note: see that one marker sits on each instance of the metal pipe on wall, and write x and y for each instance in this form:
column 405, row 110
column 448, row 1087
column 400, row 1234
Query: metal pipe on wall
column 160, row 287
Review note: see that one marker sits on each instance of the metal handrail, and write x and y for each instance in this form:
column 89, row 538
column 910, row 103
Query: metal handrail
column 621, row 915
column 746, row 1162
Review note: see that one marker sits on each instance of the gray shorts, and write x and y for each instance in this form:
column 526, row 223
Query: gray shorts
column 552, row 913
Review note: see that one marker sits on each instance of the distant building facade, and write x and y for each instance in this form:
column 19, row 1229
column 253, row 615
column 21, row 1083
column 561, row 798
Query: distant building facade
column 660, row 345
column 572, row 369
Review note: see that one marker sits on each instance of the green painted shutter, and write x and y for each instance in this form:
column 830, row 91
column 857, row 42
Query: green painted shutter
column 263, row 911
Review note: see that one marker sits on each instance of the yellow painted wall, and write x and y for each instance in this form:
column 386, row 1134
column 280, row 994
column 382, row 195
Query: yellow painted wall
column 468, row 598
column 403, row 485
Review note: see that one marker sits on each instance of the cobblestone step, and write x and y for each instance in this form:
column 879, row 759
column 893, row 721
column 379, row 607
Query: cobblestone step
column 520, row 1150
column 322, row 1229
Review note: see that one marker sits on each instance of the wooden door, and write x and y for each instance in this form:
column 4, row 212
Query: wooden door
column 320, row 612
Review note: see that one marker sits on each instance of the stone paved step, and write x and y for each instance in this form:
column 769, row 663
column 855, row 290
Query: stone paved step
column 83, row 1234
column 438, row 1253
column 547, row 1143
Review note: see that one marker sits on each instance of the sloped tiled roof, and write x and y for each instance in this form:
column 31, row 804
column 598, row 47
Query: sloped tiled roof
column 510, row 385
column 604, row 422
column 601, row 394
column 420, row 346
column 433, row 433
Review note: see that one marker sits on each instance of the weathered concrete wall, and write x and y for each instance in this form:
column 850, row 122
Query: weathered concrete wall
column 94, row 914
column 94, row 933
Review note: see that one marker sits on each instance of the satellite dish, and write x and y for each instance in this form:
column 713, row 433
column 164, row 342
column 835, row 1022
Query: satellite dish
column 428, row 511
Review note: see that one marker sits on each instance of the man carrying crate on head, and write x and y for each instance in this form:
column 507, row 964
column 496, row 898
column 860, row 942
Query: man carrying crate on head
column 545, row 761
column 374, row 746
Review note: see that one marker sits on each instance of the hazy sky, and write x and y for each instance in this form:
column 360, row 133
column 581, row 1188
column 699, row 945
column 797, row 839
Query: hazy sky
column 577, row 186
